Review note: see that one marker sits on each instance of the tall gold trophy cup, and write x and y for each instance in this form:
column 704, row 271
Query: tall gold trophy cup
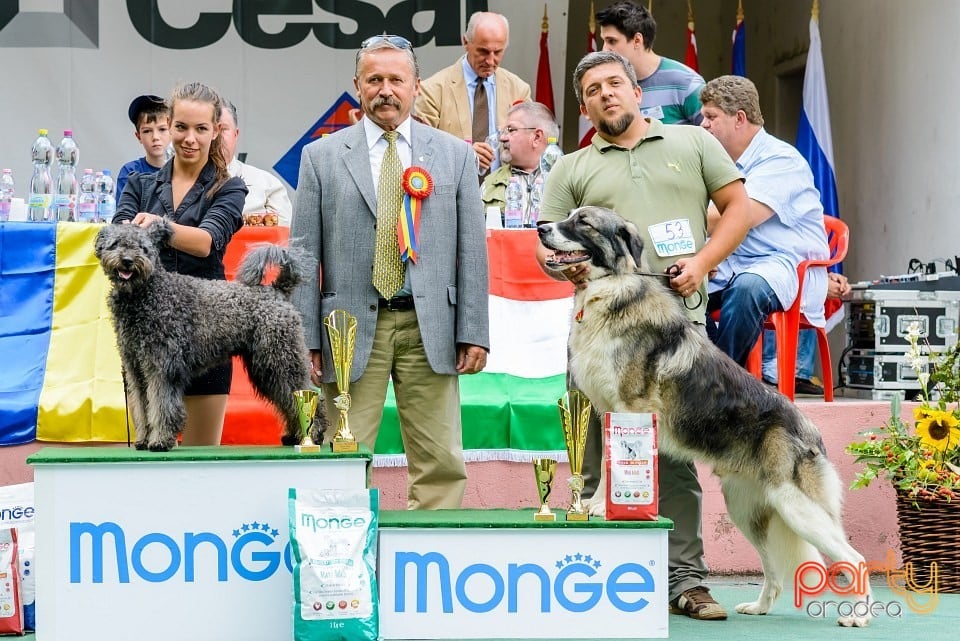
column 306, row 400
column 575, row 418
column 544, row 470
column 342, row 331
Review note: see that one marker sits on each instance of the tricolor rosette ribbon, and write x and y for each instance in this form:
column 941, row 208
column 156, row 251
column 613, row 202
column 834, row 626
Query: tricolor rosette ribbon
column 417, row 185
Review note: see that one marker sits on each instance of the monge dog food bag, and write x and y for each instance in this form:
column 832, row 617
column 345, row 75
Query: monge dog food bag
column 16, row 510
column 333, row 537
column 631, row 447
column 11, row 608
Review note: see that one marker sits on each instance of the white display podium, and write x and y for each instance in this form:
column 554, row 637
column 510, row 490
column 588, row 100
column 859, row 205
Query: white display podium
column 498, row 574
column 187, row 544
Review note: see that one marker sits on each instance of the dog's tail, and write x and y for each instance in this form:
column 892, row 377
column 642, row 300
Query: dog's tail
column 258, row 263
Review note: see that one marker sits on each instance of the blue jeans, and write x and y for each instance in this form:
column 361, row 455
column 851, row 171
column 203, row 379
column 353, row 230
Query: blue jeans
column 806, row 354
column 744, row 305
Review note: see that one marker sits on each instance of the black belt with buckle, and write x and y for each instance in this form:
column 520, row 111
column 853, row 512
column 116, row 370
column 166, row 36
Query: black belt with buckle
column 397, row 304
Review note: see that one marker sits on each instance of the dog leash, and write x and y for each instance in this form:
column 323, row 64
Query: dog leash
column 672, row 271
column 126, row 409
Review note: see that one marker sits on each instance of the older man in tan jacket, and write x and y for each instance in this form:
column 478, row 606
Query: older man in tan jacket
column 447, row 99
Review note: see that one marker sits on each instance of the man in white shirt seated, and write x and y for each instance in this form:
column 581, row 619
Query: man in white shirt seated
column 760, row 276
column 265, row 193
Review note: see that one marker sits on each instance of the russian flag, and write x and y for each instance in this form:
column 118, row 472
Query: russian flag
column 814, row 139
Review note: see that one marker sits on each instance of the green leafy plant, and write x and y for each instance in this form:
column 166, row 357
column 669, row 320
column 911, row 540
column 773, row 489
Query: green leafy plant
column 921, row 460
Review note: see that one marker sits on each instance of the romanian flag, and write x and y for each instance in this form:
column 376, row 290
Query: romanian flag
column 544, row 82
column 739, row 65
column 60, row 380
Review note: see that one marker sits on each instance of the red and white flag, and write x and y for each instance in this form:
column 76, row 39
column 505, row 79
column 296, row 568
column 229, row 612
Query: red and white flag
column 544, row 82
column 586, row 129
column 691, row 59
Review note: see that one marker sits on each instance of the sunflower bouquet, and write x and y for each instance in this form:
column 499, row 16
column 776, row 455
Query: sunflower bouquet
column 921, row 460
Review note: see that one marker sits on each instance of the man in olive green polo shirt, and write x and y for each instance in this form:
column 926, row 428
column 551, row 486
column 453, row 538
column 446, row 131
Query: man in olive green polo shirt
column 660, row 177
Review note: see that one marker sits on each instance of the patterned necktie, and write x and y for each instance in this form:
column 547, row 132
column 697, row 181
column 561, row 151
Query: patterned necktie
column 481, row 113
column 387, row 267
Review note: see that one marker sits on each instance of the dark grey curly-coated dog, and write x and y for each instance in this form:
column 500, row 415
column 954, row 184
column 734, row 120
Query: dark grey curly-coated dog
column 171, row 328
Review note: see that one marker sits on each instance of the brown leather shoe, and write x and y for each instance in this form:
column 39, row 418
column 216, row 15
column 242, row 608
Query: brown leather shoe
column 697, row 603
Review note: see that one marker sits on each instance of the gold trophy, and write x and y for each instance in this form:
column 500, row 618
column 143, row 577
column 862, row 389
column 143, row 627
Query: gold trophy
column 544, row 469
column 306, row 400
column 575, row 418
column 342, row 330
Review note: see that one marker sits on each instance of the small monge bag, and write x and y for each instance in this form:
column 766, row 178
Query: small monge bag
column 16, row 510
column 11, row 608
column 333, row 537
column 631, row 447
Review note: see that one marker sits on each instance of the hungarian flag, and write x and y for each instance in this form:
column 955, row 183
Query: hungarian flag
column 739, row 66
column 585, row 129
column 544, row 83
column 691, row 58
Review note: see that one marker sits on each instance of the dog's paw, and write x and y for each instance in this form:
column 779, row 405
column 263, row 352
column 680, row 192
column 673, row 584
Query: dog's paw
column 596, row 506
column 854, row 622
column 158, row 447
column 753, row 607
column 289, row 440
column 140, row 445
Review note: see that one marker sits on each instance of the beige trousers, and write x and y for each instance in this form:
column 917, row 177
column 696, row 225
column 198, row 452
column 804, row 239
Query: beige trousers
column 428, row 404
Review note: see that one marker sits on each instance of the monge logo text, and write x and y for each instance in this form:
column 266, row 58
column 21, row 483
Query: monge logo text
column 576, row 583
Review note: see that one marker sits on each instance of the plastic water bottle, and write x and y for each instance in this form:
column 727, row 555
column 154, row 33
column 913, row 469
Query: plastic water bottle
column 494, row 141
column 106, row 202
column 536, row 202
column 87, row 199
column 513, row 210
column 550, row 157
column 6, row 194
column 41, row 186
column 65, row 202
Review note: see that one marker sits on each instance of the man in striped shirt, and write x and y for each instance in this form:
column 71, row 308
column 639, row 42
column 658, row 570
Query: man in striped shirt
column 671, row 90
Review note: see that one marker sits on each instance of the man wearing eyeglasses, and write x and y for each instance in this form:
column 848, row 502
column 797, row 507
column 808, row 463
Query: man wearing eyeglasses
column 421, row 307
column 470, row 98
column 522, row 141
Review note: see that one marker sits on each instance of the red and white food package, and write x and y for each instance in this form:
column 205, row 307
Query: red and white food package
column 11, row 609
column 630, row 441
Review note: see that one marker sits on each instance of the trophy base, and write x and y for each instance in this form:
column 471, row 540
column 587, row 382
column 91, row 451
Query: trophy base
column 344, row 447
column 577, row 516
column 545, row 517
column 307, row 449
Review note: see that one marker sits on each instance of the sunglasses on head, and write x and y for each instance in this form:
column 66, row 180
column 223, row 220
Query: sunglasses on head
column 397, row 41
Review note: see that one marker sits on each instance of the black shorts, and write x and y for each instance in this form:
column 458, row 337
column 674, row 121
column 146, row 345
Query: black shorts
column 213, row 381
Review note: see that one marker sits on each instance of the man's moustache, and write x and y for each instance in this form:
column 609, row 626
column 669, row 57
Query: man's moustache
column 380, row 102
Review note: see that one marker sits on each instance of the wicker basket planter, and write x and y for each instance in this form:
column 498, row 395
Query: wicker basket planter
column 930, row 535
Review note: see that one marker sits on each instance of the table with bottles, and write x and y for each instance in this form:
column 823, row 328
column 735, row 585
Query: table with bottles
column 64, row 198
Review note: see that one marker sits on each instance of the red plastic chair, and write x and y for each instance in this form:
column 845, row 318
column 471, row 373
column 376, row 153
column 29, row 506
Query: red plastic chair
column 787, row 324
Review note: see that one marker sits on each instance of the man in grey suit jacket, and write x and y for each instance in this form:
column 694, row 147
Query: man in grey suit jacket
column 436, row 326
